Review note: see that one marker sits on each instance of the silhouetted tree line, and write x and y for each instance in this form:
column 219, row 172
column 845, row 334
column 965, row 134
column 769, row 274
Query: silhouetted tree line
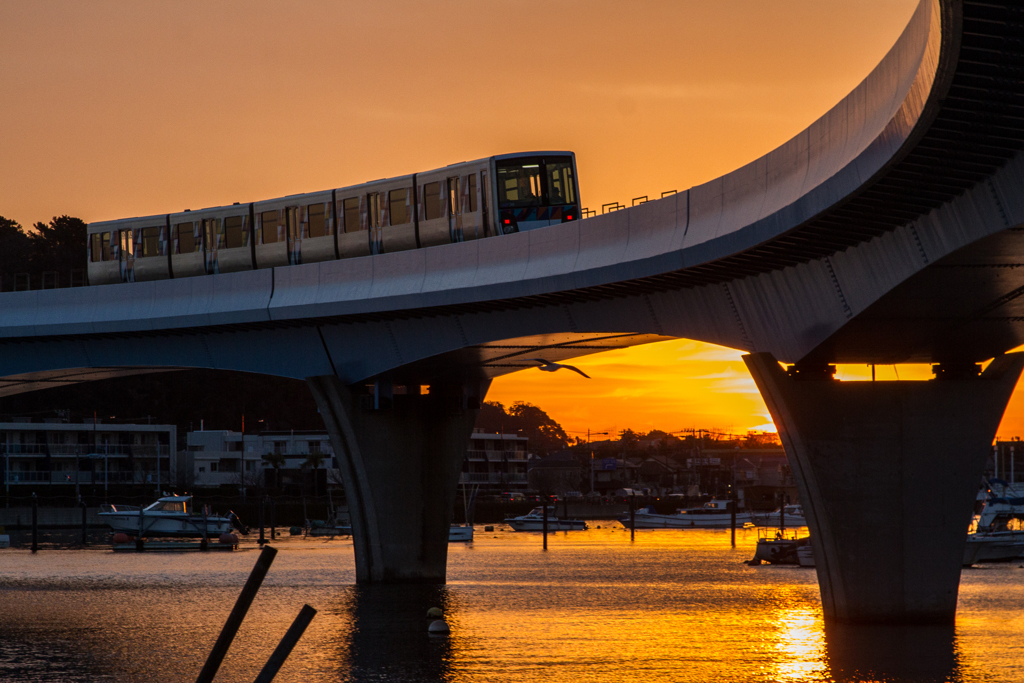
column 49, row 255
column 525, row 419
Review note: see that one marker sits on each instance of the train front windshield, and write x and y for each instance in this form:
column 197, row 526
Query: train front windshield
column 536, row 192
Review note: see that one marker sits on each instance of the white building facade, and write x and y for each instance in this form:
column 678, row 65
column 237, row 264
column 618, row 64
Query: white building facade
column 218, row 457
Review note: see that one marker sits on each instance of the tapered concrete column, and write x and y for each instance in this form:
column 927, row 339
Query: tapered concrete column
column 887, row 474
column 400, row 459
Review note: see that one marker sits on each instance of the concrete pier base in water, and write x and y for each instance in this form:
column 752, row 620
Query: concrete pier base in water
column 400, row 456
column 887, row 474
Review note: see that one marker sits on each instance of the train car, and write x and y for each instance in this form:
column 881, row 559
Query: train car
column 128, row 250
column 455, row 203
column 295, row 229
column 465, row 201
column 211, row 241
column 536, row 189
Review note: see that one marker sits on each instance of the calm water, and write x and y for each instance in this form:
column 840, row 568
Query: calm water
column 673, row 606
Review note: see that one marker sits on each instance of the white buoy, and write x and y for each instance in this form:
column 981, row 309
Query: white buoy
column 439, row 627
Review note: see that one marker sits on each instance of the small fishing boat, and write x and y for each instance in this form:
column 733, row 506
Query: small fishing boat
column 534, row 521
column 170, row 516
column 713, row 515
column 459, row 533
column 778, row 548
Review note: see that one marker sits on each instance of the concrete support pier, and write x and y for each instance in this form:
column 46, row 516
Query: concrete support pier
column 887, row 474
column 400, row 456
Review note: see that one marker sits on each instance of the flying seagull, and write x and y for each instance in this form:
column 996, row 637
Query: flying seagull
column 548, row 366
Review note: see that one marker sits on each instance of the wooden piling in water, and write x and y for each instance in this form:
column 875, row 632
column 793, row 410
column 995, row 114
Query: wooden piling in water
column 632, row 517
column 245, row 598
column 544, row 505
column 35, row 523
column 284, row 648
column 85, row 521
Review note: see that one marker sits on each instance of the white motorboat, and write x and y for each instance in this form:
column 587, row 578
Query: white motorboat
column 993, row 546
column 1000, row 530
column 788, row 515
column 713, row 515
column 534, row 521
column 170, row 516
column 458, row 533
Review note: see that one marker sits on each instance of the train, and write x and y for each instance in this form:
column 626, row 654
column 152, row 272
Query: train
column 489, row 197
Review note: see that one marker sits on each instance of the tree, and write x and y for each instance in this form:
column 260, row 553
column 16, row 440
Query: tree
column 526, row 419
column 15, row 252
column 275, row 460
column 59, row 246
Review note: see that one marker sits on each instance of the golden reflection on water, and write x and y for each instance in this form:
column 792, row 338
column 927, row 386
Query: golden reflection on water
column 800, row 641
column 671, row 606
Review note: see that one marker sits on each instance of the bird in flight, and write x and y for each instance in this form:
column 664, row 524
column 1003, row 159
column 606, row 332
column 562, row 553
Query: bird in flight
column 548, row 366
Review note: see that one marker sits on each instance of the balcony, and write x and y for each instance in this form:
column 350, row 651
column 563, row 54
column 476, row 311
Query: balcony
column 66, row 450
column 496, row 456
column 491, row 478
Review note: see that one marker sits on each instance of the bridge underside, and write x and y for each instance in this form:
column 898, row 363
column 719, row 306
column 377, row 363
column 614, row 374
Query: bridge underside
column 966, row 307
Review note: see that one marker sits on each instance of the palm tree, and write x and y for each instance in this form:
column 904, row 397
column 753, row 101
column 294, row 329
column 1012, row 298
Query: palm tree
column 275, row 460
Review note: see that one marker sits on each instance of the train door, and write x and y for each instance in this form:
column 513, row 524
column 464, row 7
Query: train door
column 211, row 241
column 485, row 199
column 373, row 220
column 455, row 210
column 126, row 255
column 294, row 232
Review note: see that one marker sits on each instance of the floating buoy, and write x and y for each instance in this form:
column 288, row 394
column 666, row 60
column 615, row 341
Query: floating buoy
column 434, row 613
column 295, row 531
column 228, row 539
column 121, row 537
column 439, row 627
column 489, row 528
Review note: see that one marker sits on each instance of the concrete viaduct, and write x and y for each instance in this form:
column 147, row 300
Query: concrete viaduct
column 889, row 231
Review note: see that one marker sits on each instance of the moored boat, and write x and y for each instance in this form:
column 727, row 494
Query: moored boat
column 460, row 533
column 170, row 516
column 534, row 521
column 786, row 516
column 713, row 515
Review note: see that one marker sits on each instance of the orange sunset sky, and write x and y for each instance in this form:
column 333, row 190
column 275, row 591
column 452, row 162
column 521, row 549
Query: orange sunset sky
column 117, row 109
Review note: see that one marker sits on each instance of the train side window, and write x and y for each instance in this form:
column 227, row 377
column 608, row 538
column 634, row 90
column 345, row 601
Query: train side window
column 397, row 211
column 373, row 209
column 234, row 232
column 351, row 218
column 472, row 192
column 95, row 248
column 150, row 242
column 186, row 238
column 454, row 206
column 432, row 201
column 317, row 220
column 268, row 226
